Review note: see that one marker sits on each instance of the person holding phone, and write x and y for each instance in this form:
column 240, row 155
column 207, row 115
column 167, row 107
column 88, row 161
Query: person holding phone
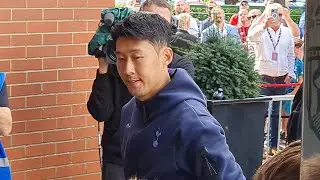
column 275, row 59
column 5, row 128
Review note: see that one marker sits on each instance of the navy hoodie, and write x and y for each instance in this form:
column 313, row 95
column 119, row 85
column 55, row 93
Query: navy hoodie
column 173, row 136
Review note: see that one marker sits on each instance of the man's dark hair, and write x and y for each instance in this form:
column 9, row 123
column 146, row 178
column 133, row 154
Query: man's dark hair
column 144, row 26
column 159, row 3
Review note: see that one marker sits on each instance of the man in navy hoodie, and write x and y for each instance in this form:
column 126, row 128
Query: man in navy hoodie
column 166, row 131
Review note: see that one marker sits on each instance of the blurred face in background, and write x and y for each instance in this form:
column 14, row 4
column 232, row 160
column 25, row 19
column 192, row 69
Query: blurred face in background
column 217, row 15
column 243, row 15
column 244, row 5
column 298, row 48
column 180, row 6
column 210, row 5
column 162, row 11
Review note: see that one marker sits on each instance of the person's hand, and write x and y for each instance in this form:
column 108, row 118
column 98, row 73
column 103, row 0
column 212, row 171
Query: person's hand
column 286, row 13
column 268, row 22
column 103, row 64
column 287, row 80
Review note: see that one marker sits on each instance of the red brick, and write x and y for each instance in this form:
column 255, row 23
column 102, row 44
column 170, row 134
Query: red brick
column 57, row 39
column 73, row 74
column 12, row 52
column 83, row 14
column 87, row 156
column 26, row 40
column 59, row 135
column 25, row 164
column 73, row 4
column 71, row 146
column 56, row 87
column 57, row 63
column 96, row 176
column 42, row 76
column 72, row 26
column 39, row 150
column 5, row 15
column 58, row 14
column 90, row 121
column 72, row 50
column 16, row 152
column 42, row 4
column 75, row 98
column 41, row 125
column 26, row 139
column 86, row 61
column 12, row 4
column 37, row 101
column 93, row 167
column 5, row 65
column 12, row 28
column 82, row 85
column 79, row 109
column 16, row 78
column 27, row 64
column 41, row 174
column 26, row 14
column 53, row 112
column 93, row 25
column 92, row 143
column 100, row 3
column 26, row 114
column 18, row 127
column 71, row 122
column 92, row 73
column 18, row 175
column 42, row 27
column 22, row 90
column 6, row 141
column 44, row 51
column 4, row 40
column 85, row 132
column 71, row 170
column 56, row 160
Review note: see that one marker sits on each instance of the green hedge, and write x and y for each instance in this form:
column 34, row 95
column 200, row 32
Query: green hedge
column 200, row 12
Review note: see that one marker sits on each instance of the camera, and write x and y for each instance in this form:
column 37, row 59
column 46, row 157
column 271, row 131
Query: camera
column 275, row 14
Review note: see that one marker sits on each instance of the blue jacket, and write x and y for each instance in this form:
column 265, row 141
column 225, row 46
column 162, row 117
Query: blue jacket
column 231, row 30
column 174, row 137
column 5, row 173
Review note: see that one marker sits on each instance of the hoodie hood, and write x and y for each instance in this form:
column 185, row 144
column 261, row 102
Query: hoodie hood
column 179, row 89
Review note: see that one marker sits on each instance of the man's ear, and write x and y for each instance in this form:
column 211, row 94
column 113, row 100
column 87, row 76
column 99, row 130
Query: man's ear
column 167, row 56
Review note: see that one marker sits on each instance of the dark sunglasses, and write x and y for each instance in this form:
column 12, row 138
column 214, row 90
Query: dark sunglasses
column 298, row 45
column 252, row 17
column 244, row 4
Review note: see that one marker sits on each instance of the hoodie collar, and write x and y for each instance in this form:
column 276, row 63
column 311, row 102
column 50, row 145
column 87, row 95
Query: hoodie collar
column 180, row 88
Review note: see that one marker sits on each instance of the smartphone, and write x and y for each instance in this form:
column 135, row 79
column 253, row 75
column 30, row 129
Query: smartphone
column 275, row 14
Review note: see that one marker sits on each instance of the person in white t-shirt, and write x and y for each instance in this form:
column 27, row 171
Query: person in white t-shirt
column 274, row 59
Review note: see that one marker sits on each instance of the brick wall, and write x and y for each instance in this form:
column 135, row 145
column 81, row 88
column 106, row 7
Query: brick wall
column 43, row 50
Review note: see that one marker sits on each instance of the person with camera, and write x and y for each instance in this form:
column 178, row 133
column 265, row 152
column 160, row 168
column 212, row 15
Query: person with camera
column 5, row 128
column 109, row 95
column 274, row 59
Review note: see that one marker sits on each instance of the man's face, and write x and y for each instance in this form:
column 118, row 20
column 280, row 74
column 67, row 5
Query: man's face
column 181, row 7
column 164, row 12
column 218, row 15
column 211, row 4
column 244, row 5
column 141, row 65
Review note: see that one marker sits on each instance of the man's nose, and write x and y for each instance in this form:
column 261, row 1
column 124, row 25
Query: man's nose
column 129, row 67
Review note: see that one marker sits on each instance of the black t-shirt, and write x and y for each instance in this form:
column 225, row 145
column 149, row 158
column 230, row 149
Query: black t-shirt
column 4, row 96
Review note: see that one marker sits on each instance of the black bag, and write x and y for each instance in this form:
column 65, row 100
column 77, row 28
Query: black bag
column 294, row 126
